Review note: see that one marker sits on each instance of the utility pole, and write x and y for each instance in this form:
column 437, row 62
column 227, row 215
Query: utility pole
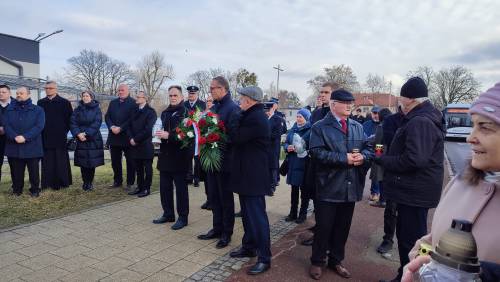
column 278, row 69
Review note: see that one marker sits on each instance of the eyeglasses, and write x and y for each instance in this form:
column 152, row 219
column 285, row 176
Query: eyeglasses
column 49, row 88
column 324, row 92
column 347, row 103
column 213, row 88
column 140, row 97
column 173, row 95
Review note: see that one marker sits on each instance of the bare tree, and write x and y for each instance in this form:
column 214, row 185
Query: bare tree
column 455, row 85
column 153, row 72
column 341, row 74
column 96, row 71
column 202, row 79
column 426, row 73
column 376, row 83
column 289, row 99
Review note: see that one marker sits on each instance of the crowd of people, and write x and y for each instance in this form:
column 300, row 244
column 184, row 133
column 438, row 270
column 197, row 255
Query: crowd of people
column 328, row 154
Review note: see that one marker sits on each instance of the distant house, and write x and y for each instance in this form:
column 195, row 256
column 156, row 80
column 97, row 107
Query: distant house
column 366, row 101
column 19, row 56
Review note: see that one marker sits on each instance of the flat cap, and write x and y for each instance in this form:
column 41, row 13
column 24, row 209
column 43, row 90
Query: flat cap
column 376, row 109
column 193, row 89
column 341, row 95
column 253, row 92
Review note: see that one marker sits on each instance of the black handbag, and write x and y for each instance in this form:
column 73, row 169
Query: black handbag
column 71, row 144
column 284, row 167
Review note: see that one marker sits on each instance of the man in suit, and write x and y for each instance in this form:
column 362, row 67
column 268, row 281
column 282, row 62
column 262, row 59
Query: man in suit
column 118, row 116
column 192, row 104
column 250, row 137
column 220, row 196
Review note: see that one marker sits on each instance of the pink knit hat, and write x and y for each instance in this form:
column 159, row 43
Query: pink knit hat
column 488, row 104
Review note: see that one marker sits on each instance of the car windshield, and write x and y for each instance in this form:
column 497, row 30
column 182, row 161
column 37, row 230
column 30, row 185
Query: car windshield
column 458, row 120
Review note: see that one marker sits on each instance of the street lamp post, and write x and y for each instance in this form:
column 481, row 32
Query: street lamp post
column 278, row 69
column 40, row 38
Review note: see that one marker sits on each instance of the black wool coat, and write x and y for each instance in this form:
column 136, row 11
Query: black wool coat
column 87, row 118
column 228, row 111
column 119, row 114
column 276, row 127
column 250, row 174
column 141, row 130
column 3, row 137
column 413, row 166
column 58, row 112
column 172, row 157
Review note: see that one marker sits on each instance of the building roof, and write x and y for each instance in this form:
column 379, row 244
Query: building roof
column 20, row 49
column 384, row 100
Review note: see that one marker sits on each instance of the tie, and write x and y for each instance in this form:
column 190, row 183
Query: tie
column 343, row 123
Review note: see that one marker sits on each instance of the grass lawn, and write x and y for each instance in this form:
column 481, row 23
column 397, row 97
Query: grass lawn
column 24, row 209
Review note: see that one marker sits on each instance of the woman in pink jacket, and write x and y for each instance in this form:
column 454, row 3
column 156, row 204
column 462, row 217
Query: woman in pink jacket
column 474, row 195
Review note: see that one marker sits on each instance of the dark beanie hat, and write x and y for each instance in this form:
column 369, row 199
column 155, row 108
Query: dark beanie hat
column 414, row 88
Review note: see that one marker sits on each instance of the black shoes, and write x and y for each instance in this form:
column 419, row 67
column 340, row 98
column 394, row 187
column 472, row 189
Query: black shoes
column 196, row 183
column 115, row 185
column 144, row 193
column 206, row 206
column 259, row 268
column 238, row 214
column 35, row 194
column 291, row 217
column 301, row 219
column 384, row 247
column 223, row 242
column 209, row 235
column 135, row 192
column 87, row 186
column 243, row 253
column 179, row 224
column 163, row 219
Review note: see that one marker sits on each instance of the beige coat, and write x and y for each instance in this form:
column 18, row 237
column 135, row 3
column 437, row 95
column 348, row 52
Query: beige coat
column 479, row 204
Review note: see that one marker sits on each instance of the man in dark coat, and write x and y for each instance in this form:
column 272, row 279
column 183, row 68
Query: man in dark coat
column 276, row 127
column 357, row 116
column 413, row 166
column 220, row 195
column 56, row 170
column 193, row 103
column 370, row 127
column 276, row 102
column 117, row 118
column 140, row 134
column 173, row 162
column 342, row 156
column 5, row 101
column 318, row 114
column 23, row 124
column 250, row 137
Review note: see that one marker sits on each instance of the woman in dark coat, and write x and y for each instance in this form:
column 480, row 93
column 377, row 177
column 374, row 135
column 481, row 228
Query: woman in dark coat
column 377, row 172
column 173, row 163
column 85, row 124
column 297, row 161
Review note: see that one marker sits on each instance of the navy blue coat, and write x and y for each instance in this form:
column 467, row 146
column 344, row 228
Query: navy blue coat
column 3, row 137
column 369, row 127
column 87, row 118
column 297, row 166
column 172, row 157
column 276, row 126
column 119, row 114
column 413, row 165
column 24, row 118
column 141, row 130
column 336, row 180
column 250, row 174
column 227, row 110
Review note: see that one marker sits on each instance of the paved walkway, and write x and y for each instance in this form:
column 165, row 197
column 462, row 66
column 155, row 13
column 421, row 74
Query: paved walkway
column 118, row 242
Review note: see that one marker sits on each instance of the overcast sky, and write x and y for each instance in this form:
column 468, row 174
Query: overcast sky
column 387, row 37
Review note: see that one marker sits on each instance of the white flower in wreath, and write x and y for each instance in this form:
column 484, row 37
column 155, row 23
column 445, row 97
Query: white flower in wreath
column 214, row 120
column 190, row 134
column 184, row 121
column 179, row 136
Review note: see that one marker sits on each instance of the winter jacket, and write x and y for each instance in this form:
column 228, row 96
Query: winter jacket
column 172, row 157
column 250, row 174
column 297, row 166
column 119, row 114
column 25, row 119
column 141, row 130
column 414, row 162
column 369, row 127
column 275, row 123
column 336, row 180
column 87, row 118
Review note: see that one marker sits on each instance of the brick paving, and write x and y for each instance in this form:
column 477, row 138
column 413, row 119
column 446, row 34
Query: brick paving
column 118, row 242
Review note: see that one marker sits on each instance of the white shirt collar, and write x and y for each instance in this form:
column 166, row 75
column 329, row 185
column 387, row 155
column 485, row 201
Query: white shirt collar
column 6, row 103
